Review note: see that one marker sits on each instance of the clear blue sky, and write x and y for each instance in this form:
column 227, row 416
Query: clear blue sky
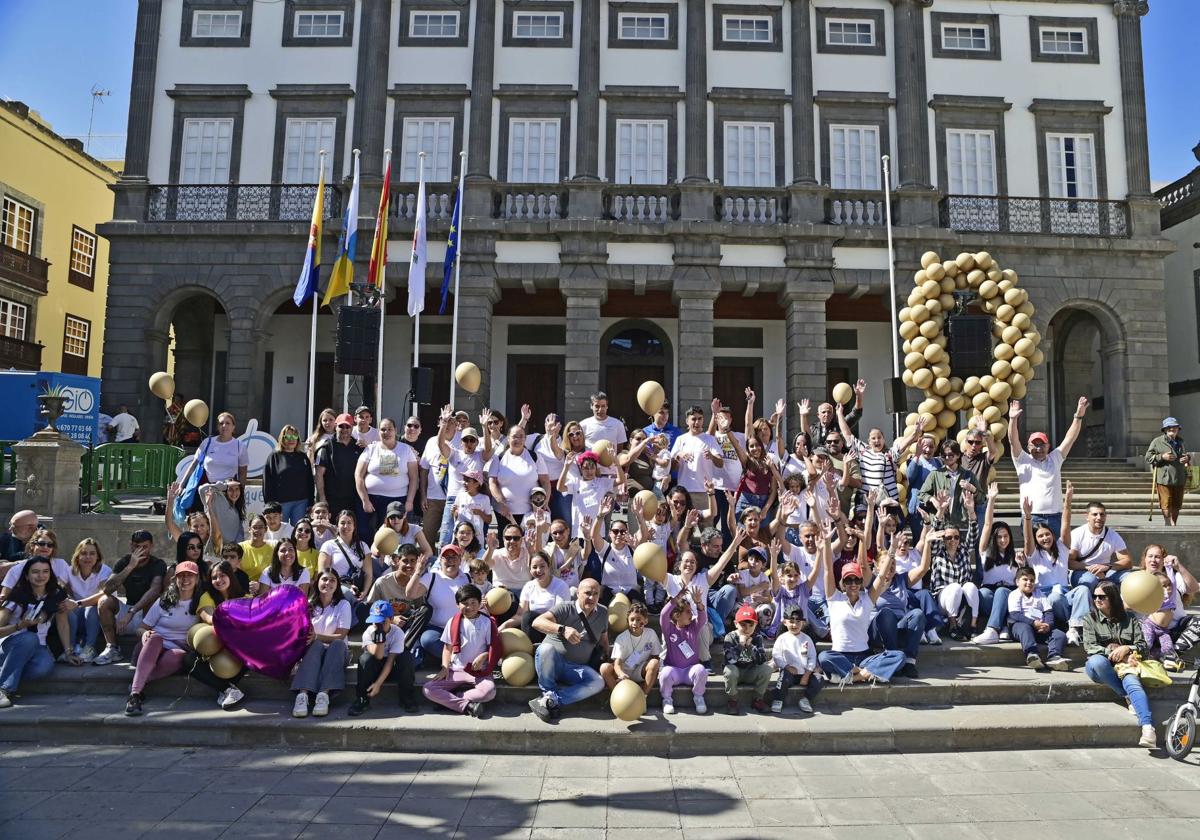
column 55, row 50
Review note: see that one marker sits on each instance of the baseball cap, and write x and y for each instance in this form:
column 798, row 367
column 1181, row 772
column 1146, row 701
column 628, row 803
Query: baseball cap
column 1039, row 436
column 794, row 612
column 344, row 420
column 469, row 433
column 851, row 570
column 394, row 509
column 821, row 450
column 537, row 490
column 186, row 567
column 745, row 613
column 451, row 548
column 363, row 408
column 462, row 414
column 474, row 475
column 381, row 611
column 1169, row 422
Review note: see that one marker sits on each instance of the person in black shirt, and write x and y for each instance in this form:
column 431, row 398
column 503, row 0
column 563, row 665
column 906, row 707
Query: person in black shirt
column 141, row 575
column 288, row 476
column 337, row 460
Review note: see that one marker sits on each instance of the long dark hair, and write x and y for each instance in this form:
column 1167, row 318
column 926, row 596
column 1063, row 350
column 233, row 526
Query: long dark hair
column 356, row 540
column 181, row 553
column 1052, row 550
column 314, row 594
column 1113, row 594
column 312, row 537
column 22, row 593
column 235, row 585
column 993, row 556
column 473, row 546
column 171, row 596
column 275, row 572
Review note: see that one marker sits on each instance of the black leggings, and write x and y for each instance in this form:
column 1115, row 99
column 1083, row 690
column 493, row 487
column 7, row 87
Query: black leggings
column 198, row 667
column 403, row 672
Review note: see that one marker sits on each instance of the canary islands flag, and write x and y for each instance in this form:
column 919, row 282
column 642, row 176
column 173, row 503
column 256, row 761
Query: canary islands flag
column 310, row 273
column 343, row 268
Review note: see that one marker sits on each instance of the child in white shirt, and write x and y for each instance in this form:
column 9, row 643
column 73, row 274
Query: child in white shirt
column 795, row 655
column 471, row 504
column 636, row 653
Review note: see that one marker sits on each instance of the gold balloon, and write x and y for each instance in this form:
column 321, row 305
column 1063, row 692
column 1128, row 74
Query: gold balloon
column 1005, row 313
column 922, row 378
column 651, row 561
column 498, row 600
column 1024, row 347
column 946, row 419
column 984, row 260
column 225, row 665
column 1022, row 365
column 1001, row 369
column 203, row 639
column 650, row 397
column 627, row 701
column 196, row 412
column 929, row 329
column 1010, row 334
column 933, row 353
column 604, row 452
column 649, row 503
column 468, row 377
column 931, row 288
column 981, row 400
column 988, row 290
column 919, row 313
column 941, row 386
column 914, row 360
column 514, row 640
column 941, row 369
column 948, row 284
column 907, row 376
column 930, row 258
column 518, row 669
column 386, row 541
column 970, row 386
column 998, row 430
column 986, row 381
column 908, row 329
column 162, row 385
column 843, row 393
column 965, row 261
column 951, row 267
column 931, row 405
column 991, row 414
column 936, row 271
column 1021, row 321
column 1003, row 352
column 1000, row 391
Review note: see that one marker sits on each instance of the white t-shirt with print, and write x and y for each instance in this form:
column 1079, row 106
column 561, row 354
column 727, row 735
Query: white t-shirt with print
column 517, row 475
column 586, row 497
column 431, row 459
column 387, row 469
column 729, row 474
column 392, row 644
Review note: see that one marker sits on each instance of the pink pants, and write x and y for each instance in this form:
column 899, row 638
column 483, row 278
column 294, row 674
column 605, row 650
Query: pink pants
column 155, row 662
column 447, row 692
column 671, row 676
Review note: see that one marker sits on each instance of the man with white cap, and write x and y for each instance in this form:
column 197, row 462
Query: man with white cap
column 1039, row 470
column 1169, row 462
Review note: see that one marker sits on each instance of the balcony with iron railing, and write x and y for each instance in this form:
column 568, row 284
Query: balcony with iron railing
column 19, row 354
column 1033, row 215
column 238, row 202
column 24, row 269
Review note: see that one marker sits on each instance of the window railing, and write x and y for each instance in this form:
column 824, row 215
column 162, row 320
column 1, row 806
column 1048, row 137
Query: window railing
column 751, row 205
column 238, row 202
column 1020, row 214
column 642, row 203
column 19, row 354
column 24, row 269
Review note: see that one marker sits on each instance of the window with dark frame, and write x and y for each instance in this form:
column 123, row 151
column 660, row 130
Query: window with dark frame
column 18, row 224
column 82, row 271
column 433, row 25
column 76, row 344
column 13, row 319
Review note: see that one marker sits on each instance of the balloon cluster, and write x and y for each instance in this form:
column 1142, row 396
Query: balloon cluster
column 204, row 641
column 162, row 385
column 927, row 365
column 517, row 665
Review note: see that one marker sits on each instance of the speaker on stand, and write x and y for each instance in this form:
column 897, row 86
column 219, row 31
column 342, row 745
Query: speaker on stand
column 356, row 346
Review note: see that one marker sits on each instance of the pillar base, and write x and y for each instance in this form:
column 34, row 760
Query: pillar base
column 47, row 469
column 916, row 206
column 696, row 202
column 807, row 203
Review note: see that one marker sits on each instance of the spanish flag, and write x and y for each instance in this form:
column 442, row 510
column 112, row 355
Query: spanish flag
column 378, row 266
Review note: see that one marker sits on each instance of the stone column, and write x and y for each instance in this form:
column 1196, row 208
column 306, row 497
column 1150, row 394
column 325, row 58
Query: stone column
column 245, row 368
column 478, row 294
column 47, row 474
column 1133, row 94
column 695, row 103
column 804, row 161
column 131, row 193
column 479, row 140
column 912, row 123
column 587, row 132
column 370, row 89
column 584, row 287
column 803, row 299
column 695, row 284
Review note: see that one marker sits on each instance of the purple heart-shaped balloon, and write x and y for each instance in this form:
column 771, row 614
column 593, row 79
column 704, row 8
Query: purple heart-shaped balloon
column 269, row 634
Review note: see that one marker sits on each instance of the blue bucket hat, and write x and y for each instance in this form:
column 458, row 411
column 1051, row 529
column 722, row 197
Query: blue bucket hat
column 1169, row 422
column 381, row 611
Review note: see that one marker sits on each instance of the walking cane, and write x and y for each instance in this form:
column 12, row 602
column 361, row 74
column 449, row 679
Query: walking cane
column 1153, row 494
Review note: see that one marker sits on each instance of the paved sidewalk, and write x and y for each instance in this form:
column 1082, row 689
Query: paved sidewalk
column 190, row 793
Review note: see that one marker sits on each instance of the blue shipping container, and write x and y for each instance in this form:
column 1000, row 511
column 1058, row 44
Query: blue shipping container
column 21, row 418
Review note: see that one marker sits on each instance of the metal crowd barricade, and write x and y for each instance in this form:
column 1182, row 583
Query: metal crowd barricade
column 129, row 468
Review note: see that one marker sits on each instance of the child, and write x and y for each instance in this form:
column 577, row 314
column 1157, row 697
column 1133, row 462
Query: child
column 564, row 554
column 323, row 530
column 1154, row 627
column 795, row 654
column 789, row 589
column 1031, row 620
column 635, row 656
column 754, row 585
column 277, row 529
column 681, row 662
column 795, row 512
column 478, row 571
column 654, row 593
column 746, row 661
column 587, row 488
column 471, row 653
column 538, row 519
column 383, row 657
column 471, row 505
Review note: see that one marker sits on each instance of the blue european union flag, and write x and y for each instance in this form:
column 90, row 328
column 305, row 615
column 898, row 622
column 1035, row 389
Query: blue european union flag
column 451, row 247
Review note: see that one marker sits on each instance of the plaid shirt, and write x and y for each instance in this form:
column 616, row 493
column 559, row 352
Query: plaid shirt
column 958, row 569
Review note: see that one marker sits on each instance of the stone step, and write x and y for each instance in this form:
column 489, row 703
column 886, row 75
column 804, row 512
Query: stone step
column 262, row 724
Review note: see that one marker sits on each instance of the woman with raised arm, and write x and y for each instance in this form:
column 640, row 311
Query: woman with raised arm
column 998, row 561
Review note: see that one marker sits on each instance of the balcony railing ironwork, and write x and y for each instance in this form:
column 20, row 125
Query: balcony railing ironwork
column 24, row 269
column 238, row 202
column 1020, row 214
column 19, row 354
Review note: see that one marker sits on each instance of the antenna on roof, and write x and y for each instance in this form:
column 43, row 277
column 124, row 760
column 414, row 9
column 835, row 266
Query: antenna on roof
column 97, row 94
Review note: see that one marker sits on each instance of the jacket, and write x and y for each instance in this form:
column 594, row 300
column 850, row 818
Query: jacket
column 1167, row 473
column 1099, row 632
column 744, row 657
column 943, row 479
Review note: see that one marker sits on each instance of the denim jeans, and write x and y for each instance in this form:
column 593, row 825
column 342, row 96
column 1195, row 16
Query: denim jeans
column 23, row 656
column 561, row 680
column 1054, row 639
column 892, row 631
column 746, row 500
column 369, row 523
column 883, row 665
column 293, row 512
column 85, row 626
column 993, row 602
column 723, row 600
column 1082, row 577
column 923, row 600
column 1100, row 670
column 560, row 506
column 1070, row 605
column 431, row 645
column 818, row 616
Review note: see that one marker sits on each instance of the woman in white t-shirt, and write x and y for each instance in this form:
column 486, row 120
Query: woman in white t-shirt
column 25, row 619
column 88, row 574
column 164, row 644
column 285, row 569
column 513, row 473
column 438, row 587
column 566, row 558
column 387, row 472
column 322, row 670
column 350, row 559
column 1071, row 604
column 541, row 593
column 224, row 457
column 549, row 452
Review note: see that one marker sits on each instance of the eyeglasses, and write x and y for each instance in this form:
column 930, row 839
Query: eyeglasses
column 44, row 544
column 493, row 422
column 302, row 531
column 290, row 437
column 951, row 539
column 412, row 425
column 620, row 530
column 511, row 537
column 574, row 434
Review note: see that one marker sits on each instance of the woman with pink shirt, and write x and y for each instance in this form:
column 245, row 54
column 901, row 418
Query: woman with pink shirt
column 681, row 649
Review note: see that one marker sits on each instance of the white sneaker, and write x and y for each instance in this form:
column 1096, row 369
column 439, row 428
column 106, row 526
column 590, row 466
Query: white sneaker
column 668, row 706
column 1033, row 661
column 1058, row 663
column 1148, row 740
column 933, row 637
column 300, row 710
column 109, row 655
column 1005, row 635
column 805, row 706
column 1073, row 637
column 230, row 697
column 701, row 706
column 321, row 704
column 988, row 637
column 88, row 654
column 77, row 650
column 777, row 706
column 5, row 700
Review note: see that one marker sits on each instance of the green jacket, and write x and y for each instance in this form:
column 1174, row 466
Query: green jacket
column 1100, row 632
column 1169, row 473
column 942, row 479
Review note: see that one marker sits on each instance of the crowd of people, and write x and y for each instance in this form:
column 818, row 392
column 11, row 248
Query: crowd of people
column 878, row 548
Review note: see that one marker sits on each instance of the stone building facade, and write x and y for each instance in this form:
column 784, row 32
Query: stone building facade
column 678, row 190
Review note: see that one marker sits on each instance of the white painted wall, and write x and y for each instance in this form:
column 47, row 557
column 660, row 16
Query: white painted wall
column 874, row 365
column 641, row 67
column 1183, row 333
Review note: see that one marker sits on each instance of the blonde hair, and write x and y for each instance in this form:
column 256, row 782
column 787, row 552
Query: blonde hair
column 83, row 543
column 289, row 428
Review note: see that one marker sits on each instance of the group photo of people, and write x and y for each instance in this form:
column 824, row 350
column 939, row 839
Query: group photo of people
column 793, row 561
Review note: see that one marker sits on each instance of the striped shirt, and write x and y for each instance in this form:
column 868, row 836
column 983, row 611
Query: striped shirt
column 878, row 468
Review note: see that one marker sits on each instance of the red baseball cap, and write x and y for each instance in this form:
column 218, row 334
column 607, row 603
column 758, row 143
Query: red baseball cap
column 344, row 420
column 1039, row 436
column 852, row 570
column 450, row 548
column 187, row 567
column 745, row 613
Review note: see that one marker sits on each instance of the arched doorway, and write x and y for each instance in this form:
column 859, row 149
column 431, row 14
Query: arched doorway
column 1081, row 366
column 198, row 358
column 630, row 353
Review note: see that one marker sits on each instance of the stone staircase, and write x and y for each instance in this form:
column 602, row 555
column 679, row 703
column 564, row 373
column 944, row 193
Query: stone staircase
column 1123, row 487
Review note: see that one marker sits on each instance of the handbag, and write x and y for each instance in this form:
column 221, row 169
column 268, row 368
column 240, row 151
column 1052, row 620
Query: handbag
column 187, row 493
column 1150, row 672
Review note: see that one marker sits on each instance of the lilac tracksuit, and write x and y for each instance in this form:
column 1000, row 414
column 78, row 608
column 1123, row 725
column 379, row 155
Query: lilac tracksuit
column 680, row 666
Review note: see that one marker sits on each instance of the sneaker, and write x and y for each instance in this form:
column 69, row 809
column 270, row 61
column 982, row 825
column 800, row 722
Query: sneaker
column 1033, row 660
column 133, row 706
column 910, row 670
column 701, row 706
column 708, row 666
column 932, row 637
column 109, row 655
column 540, row 706
column 1148, row 740
column 320, row 705
column 759, row 705
column 1058, row 663
column 1005, row 635
column 409, row 705
column 668, row 706
column 88, row 654
column 805, row 706
column 474, row 709
column 733, row 707
column 988, row 637
column 5, row 700
column 230, row 697
column 1129, row 708
column 300, row 709
column 1173, row 665
column 777, row 706
column 360, row 705
column 1073, row 639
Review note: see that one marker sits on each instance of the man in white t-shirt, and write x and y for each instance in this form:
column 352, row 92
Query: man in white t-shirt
column 124, row 427
column 1039, row 470
column 1099, row 549
column 600, row 427
column 363, row 431
column 694, row 455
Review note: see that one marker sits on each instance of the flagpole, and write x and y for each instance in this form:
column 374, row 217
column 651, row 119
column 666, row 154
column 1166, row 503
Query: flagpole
column 462, row 189
column 312, row 338
column 887, row 209
column 387, row 159
column 421, row 280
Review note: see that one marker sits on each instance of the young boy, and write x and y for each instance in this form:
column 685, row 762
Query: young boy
column 1031, row 621
column 754, row 584
column 795, row 655
column 472, row 504
column 635, row 655
column 403, row 565
column 471, row 653
column 277, row 529
column 478, row 571
column 538, row 519
column 323, row 530
column 383, row 658
column 746, row 661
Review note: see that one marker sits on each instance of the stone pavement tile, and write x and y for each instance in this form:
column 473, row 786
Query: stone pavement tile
column 514, row 765
column 196, row 758
column 246, row 781
column 1109, row 757
column 794, row 833
column 332, row 761
column 992, row 761
column 1102, row 803
column 147, row 779
column 884, row 764
column 357, row 810
column 1160, row 828
column 218, row 807
column 1060, row 830
column 44, row 778
column 840, row 787
column 187, row 829
column 576, row 767
column 768, row 813
column 1060, row 806
column 285, row 808
column 407, row 832
column 822, row 765
column 717, row 813
column 440, row 787
column 701, row 766
column 710, row 788
column 1059, row 760
column 90, row 756
column 1077, row 782
column 557, row 789
column 278, row 830
column 12, row 806
column 636, row 787
column 773, row 766
column 927, row 809
column 512, row 832
column 1176, row 804
column 855, row 812
column 453, row 765
column 565, row 834
column 36, row 829
column 428, row 813
column 963, row 783
column 318, row 781
column 644, row 814
column 985, row 809
column 338, row 831
column 1152, row 778
column 571, row 814
column 940, row 762
column 498, row 812
column 789, row 786
column 105, row 807
column 370, row 782
column 509, row 786
column 869, row 832
column 159, row 757
column 644, row 833
column 904, row 784
column 639, row 767
column 719, row 833
column 273, row 760
column 940, row 831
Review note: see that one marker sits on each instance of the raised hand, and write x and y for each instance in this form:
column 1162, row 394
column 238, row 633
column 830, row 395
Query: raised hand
column 446, row 413
column 1070, row 491
column 803, row 406
column 993, row 491
column 860, row 387
column 922, row 422
column 1014, row 410
column 491, row 540
column 780, row 407
column 692, row 519
column 526, row 412
column 606, row 504
column 1082, row 406
column 552, row 425
column 941, row 500
column 980, row 423
column 1027, row 506
column 715, row 405
column 750, row 396
column 484, row 417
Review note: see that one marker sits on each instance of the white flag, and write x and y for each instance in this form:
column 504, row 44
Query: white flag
column 416, row 266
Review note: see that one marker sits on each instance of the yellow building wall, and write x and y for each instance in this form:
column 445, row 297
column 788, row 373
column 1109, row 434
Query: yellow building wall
column 73, row 192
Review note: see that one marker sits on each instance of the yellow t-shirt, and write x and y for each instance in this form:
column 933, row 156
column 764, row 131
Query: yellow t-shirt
column 256, row 560
column 308, row 560
column 206, row 602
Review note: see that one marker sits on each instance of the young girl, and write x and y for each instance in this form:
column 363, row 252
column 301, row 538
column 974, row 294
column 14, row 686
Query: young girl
column 24, row 625
column 85, row 588
column 681, row 639
column 998, row 557
column 307, row 553
column 581, row 479
column 472, row 505
column 256, row 551
column 322, row 670
column 792, row 511
column 222, row 585
column 1047, row 554
column 1156, row 625
column 164, row 634
column 285, row 568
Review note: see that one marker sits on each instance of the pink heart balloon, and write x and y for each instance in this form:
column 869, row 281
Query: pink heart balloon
column 269, row 634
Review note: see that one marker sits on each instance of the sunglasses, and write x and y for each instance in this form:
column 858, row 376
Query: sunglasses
column 412, row 425
column 1099, row 597
column 194, row 546
column 951, row 539
column 511, row 538
column 620, row 530
column 44, row 544
column 974, row 443
column 344, row 426
column 852, row 580
column 290, row 437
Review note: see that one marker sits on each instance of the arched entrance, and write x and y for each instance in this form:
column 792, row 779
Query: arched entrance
column 1084, row 363
column 630, row 353
column 198, row 358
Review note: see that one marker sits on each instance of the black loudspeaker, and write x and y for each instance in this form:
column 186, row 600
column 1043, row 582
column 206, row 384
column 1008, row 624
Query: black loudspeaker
column 895, row 396
column 422, row 385
column 356, row 351
column 969, row 343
